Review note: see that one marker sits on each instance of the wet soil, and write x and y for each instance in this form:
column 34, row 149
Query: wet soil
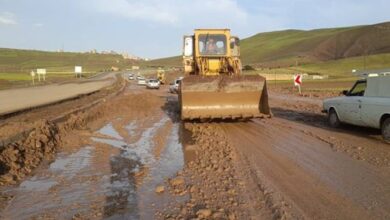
column 131, row 158
column 110, row 160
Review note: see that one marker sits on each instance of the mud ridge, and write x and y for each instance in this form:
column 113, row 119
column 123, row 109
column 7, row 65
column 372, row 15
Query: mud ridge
column 210, row 179
column 19, row 157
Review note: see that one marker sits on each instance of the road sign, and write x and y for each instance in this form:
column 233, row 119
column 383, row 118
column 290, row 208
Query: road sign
column 298, row 80
column 41, row 72
column 78, row 69
column 32, row 73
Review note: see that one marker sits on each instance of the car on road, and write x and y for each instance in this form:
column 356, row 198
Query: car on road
column 131, row 76
column 153, row 84
column 174, row 87
column 140, row 77
column 141, row 81
column 367, row 104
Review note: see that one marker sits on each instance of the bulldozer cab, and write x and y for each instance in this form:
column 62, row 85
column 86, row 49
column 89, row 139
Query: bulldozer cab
column 208, row 50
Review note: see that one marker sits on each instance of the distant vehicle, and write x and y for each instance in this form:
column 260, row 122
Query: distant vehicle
column 161, row 76
column 141, row 81
column 131, row 76
column 153, row 84
column 174, row 87
column 366, row 104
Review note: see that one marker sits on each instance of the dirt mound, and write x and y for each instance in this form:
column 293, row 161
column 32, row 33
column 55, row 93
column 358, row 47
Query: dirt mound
column 20, row 158
column 210, row 179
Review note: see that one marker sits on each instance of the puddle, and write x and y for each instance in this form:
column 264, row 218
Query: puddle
column 189, row 147
column 109, row 130
column 111, row 142
column 142, row 149
column 35, row 184
column 130, row 128
column 71, row 164
column 138, row 155
column 41, row 192
column 171, row 161
column 101, row 179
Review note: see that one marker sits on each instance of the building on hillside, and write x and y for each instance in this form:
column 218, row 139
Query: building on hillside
column 365, row 73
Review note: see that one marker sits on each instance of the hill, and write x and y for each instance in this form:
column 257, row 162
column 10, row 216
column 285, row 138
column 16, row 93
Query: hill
column 168, row 61
column 290, row 47
column 285, row 47
column 23, row 61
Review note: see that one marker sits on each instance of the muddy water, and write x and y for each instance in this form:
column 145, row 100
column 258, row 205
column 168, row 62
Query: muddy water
column 112, row 177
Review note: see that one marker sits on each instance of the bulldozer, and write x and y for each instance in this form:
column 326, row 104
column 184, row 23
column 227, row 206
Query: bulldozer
column 161, row 75
column 213, row 86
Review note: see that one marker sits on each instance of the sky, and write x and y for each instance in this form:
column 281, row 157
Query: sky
column 154, row 28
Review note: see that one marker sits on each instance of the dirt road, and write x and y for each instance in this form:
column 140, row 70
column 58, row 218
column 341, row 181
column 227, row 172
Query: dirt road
column 23, row 98
column 131, row 157
column 303, row 171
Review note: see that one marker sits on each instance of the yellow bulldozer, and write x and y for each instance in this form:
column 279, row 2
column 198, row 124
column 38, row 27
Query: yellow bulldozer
column 214, row 86
column 161, row 75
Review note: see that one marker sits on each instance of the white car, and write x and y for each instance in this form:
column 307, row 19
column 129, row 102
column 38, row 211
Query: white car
column 141, row 81
column 366, row 104
column 140, row 77
column 153, row 84
column 131, row 76
column 174, row 87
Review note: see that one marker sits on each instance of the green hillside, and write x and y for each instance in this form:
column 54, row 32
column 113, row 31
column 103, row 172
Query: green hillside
column 290, row 47
column 23, row 61
column 343, row 67
column 168, row 61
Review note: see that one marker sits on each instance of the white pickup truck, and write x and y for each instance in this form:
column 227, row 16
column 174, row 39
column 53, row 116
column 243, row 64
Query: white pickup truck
column 366, row 104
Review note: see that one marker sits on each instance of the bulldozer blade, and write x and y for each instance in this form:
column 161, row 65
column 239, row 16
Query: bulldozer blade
column 223, row 97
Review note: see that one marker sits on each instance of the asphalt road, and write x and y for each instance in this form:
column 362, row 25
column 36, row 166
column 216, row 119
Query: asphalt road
column 13, row 100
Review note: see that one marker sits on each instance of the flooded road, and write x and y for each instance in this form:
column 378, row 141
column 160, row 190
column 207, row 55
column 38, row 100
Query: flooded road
column 112, row 175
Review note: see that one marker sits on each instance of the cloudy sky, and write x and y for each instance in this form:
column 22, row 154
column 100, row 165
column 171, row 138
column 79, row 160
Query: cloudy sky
column 154, row 28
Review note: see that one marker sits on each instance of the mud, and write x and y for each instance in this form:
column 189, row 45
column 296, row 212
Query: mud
column 109, row 162
column 13, row 124
column 210, row 180
column 130, row 157
column 17, row 159
column 360, row 143
column 20, row 158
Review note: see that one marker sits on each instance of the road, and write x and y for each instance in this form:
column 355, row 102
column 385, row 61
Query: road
column 292, row 166
column 300, row 167
column 24, row 98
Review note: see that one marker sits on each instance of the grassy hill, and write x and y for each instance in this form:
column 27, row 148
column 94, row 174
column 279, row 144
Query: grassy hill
column 168, row 61
column 285, row 47
column 16, row 65
column 342, row 67
column 23, row 61
column 290, row 47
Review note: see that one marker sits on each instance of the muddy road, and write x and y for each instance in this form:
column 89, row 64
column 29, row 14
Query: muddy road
column 130, row 157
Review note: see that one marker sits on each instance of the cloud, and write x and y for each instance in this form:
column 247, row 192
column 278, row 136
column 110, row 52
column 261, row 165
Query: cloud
column 172, row 12
column 7, row 18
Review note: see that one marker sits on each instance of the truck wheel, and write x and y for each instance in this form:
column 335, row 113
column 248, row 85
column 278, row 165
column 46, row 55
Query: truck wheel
column 333, row 119
column 386, row 130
